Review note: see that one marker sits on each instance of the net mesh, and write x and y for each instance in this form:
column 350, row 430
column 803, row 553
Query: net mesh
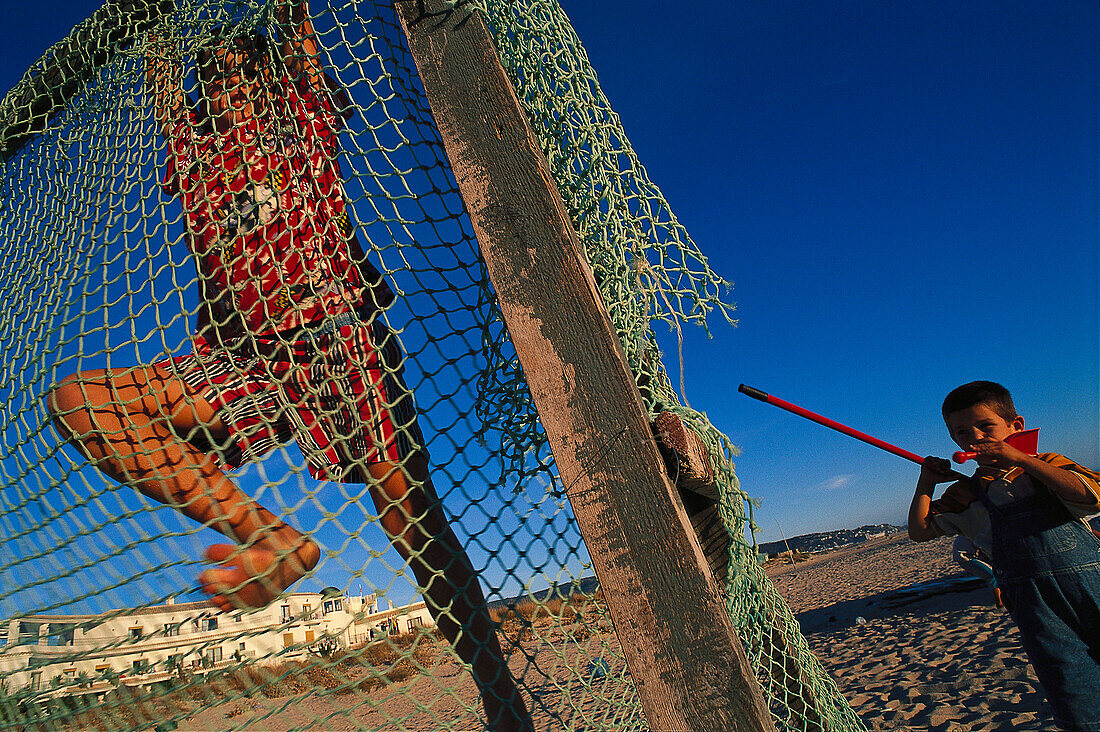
column 102, row 621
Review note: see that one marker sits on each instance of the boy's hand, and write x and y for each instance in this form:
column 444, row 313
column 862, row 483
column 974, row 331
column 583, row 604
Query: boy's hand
column 933, row 470
column 936, row 470
column 998, row 454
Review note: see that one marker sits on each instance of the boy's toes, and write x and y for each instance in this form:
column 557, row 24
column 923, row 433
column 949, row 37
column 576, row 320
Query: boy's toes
column 251, row 577
column 220, row 590
column 219, row 553
column 209, row 583
column 218, row 581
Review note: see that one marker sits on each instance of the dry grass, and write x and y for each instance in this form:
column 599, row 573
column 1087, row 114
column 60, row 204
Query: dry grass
column 579, row 633
column 519, row 623
column 791, row 557
column 563, row 610
column 364, row 668
column 391, row 660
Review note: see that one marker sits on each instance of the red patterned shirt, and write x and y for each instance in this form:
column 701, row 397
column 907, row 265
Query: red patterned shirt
column 267, row 219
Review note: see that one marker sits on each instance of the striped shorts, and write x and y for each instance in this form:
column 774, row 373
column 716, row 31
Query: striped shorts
column 338, row 391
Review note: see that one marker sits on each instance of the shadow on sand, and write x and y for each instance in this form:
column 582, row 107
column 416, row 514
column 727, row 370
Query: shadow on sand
column 950, row 593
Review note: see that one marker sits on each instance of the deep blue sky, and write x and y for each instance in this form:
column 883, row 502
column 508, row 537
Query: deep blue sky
column 904, row 194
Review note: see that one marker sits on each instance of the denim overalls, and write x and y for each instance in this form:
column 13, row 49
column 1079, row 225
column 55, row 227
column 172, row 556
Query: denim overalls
column 1048, row 568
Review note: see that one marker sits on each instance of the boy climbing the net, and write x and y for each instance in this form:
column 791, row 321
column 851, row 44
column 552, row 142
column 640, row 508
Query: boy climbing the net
column 290, row 344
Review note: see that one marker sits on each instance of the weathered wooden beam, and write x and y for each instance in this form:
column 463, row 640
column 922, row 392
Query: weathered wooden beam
column 681, row 646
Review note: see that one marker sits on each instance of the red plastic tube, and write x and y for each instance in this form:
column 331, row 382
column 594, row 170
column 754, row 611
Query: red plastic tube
column 832, row 424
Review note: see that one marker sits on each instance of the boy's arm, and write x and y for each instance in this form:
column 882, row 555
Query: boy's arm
column 299, row 47
column 164, row 74
column 1066, row 484
column 932, row 472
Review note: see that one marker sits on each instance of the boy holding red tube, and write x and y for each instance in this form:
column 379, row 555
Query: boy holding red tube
column 1046, row 558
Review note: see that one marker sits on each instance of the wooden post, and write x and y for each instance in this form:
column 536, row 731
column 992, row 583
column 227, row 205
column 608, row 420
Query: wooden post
column 680, row 644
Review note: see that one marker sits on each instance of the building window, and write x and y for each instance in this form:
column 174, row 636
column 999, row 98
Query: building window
column 171, row 629
column 240, row 646
column 140, row 666
column 28, row 634
column 327, row 607
column 211, row 624
column 306, row 611
column 310, row 637
column 286, row 613
column 136, row 634
column 337, row 605
column 288, row 640
column 415, row 622
column 60, row 634
column 237, row 618
column 214, row 654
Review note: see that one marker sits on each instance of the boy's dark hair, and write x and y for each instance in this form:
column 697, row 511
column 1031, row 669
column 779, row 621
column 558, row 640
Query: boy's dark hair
column 981, row 392
column 253, row 45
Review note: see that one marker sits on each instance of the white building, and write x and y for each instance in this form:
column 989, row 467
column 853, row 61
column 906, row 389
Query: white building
column 141, row 646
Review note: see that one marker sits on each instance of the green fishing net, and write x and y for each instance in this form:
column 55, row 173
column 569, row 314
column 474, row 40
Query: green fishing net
column 100, row 620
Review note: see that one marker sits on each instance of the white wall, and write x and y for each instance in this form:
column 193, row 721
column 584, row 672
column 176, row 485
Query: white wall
column 141, row 643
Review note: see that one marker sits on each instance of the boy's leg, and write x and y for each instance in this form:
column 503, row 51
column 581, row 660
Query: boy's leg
column 1059, row 621
column 136, row 425
column 411, row 515
column 372, row 396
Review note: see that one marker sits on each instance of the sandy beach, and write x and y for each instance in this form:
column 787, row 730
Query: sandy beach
column 912, row 643
column 932, row 652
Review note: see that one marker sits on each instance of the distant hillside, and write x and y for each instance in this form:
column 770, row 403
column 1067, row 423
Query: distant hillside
column 583, row 586
column 827, row 540
column 820, row 542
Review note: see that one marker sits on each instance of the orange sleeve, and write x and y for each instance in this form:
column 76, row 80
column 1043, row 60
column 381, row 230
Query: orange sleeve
column 1090, row 478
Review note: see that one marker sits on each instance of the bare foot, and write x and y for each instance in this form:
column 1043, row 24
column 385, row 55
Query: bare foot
column 251, row 577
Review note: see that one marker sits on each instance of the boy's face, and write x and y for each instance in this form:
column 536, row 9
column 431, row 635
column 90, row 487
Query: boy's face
column 231, row 82
column 980, row 423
